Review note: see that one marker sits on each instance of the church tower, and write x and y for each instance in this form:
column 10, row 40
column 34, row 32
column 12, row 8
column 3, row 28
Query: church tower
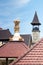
column 35, row 31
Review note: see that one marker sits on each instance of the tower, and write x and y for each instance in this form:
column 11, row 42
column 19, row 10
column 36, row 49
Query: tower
column 16, row 36
column 35, row 30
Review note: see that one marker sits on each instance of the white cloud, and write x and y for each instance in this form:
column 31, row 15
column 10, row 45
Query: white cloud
column 15, row 3
column 21, row 2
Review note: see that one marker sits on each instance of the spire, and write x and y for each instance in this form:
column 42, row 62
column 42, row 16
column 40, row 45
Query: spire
column 35, row 20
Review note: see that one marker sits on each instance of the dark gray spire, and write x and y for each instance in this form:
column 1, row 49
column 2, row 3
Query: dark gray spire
column 35, row 20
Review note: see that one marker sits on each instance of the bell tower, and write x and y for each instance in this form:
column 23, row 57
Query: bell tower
column 35, row 30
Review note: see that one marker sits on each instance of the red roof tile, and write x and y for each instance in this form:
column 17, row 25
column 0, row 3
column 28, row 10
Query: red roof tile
column 33, row 57
column 13, row 49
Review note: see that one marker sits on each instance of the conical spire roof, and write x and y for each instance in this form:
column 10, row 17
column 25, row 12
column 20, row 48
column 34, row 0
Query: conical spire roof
column 35, row 20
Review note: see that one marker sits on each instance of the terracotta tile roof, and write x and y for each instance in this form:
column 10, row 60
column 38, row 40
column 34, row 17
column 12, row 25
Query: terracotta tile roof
column 33, row 57
column 13, row 49
column 4, row 34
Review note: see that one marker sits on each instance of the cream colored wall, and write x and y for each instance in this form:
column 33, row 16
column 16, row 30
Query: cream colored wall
column 0, row 43
column 35, row 37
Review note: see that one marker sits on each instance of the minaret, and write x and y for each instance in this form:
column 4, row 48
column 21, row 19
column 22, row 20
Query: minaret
column 35, row 31
column 16, row 36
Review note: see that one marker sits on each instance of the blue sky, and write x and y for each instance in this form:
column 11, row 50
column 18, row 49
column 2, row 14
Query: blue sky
column 23, row 10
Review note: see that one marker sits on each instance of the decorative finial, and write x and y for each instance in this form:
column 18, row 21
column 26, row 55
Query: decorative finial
column 16, row 28
column 16, row 36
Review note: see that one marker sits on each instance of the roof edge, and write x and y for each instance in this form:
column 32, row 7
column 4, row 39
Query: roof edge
column 10, row 41
column 14, row 62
